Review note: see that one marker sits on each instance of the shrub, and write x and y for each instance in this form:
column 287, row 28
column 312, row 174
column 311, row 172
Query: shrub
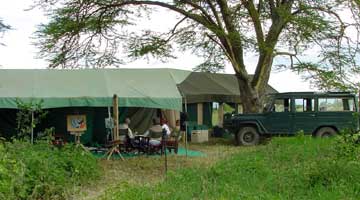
column 42, row 171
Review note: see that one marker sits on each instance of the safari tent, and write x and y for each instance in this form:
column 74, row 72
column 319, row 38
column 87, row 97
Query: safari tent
column 142, row 94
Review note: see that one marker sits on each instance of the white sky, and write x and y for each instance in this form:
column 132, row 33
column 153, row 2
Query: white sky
column 19, row 53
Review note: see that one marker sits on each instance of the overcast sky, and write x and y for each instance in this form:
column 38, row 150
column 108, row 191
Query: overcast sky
column 19, row 53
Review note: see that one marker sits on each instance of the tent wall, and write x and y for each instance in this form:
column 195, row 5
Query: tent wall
column 141, row 120
column 7, row 122
column 200, row 114
column 56, row 118
column 171, row 116
column 192, row 112
column 206, row 111
column 207, row 114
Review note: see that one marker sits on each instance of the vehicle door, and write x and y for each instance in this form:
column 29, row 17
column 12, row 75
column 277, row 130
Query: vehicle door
column 304, row 115
column 279, row 119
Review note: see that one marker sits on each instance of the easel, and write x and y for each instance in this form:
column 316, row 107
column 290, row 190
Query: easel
column 76, row 125
column 116, row 139
column 77, row 135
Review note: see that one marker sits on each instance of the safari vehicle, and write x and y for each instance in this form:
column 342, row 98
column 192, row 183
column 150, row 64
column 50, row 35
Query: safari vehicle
column 318, row 114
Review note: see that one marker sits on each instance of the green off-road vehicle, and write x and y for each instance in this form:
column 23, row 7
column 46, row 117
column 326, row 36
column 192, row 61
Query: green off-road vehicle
column 318, row 114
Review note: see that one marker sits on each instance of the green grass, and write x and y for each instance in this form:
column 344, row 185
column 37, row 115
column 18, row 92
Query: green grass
column 286, row 168
column 42, row 171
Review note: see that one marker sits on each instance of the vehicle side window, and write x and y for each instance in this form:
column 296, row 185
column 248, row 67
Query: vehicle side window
column 282, row 105
column 336, row 104
column 305, row 105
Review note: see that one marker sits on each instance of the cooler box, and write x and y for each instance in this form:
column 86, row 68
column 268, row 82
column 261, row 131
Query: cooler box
column 199, row 136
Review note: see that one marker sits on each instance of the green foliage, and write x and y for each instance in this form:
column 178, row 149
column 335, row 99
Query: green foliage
column 288, row 168
column 92, row 33
column 348, row 145
column 42, row 171
column 25, row 122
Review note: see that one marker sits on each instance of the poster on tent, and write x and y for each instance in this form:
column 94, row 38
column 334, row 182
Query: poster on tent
column 76, row 123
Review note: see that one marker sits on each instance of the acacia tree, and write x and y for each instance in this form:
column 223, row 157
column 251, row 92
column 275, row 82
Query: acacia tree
column 92, row 32
column 338, row 66
column 3, row 27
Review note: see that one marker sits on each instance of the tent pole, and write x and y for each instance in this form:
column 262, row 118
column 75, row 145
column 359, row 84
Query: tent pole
column 186, row 147
column 116, row 116
column 32, row 127
column 111, row 119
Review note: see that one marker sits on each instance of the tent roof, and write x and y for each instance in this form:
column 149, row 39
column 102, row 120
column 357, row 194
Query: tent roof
column 154, row 88
column 151, row 88
column 208, row 87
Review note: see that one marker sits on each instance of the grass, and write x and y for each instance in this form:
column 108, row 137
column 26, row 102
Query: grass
column 286, row 168
column 143, row 170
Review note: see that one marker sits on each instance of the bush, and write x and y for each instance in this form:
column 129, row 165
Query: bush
column 42, row 171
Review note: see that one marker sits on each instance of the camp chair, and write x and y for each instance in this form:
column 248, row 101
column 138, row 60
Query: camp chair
column 155, row 136
column 172, row 142
column 124, row 138
column 141, row 143
column 138, row 143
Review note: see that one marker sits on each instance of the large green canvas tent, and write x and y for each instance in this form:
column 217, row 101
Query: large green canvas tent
column 149, row 88
column 90, row 91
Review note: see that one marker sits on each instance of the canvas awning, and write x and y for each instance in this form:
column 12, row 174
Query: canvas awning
column 151, row 88
column 208, row 87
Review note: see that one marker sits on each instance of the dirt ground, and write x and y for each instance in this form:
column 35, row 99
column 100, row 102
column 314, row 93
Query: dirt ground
column 143, row 170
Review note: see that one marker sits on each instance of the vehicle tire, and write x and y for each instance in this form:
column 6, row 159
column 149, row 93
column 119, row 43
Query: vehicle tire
column 248, row 136
column 325, row 132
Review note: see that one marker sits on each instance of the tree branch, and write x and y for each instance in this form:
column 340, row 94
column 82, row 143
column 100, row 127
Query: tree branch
column 198, row 18
column 215, row 13
column 203, row 11
column 233, row 41
column 256, row 21
column 263, row 68
column 221, row 46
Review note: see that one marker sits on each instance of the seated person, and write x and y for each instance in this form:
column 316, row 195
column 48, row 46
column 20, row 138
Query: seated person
column 154, row 132
column 125, row 126
column 165, row 127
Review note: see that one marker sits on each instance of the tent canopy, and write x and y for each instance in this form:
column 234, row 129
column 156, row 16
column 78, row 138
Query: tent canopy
column 148, row 88
column 151, row 88
column 208, row 87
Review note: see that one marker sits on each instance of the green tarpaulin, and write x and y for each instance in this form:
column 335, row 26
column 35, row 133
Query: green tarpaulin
column 151, row 88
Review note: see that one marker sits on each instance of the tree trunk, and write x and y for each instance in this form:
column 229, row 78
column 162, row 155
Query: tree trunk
column 251, row 99
column 252, row 91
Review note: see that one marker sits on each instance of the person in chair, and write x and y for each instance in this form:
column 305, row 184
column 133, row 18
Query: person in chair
column 124, row 127
column 155, row 132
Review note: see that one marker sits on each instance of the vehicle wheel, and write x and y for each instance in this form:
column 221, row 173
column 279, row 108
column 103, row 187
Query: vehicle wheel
column 325, row 132
column 248, row 136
